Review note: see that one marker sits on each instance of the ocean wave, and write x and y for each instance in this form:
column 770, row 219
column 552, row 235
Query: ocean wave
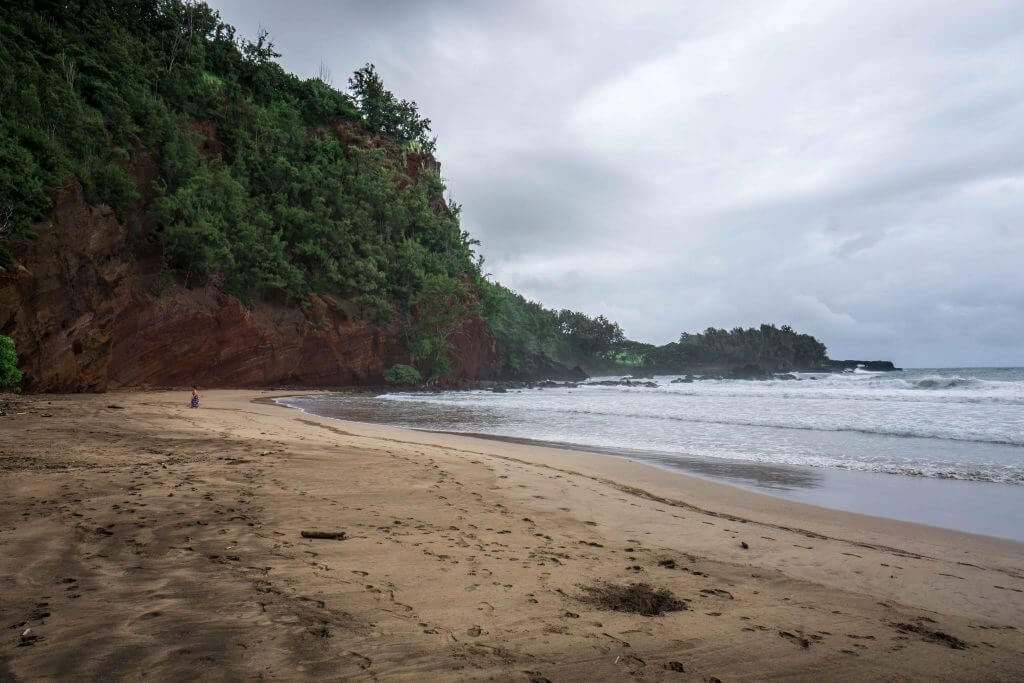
column 988, row 447
column 940, row 431
column 902, row 433
column 992, row 473
column 949, row 383
column 922, row 390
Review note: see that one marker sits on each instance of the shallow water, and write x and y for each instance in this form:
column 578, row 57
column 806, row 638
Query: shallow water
column 939, row 446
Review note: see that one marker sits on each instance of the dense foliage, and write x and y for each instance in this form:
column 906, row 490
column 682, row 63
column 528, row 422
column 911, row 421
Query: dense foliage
column 270, row 186
column 10, row 376
column 770, row 347
column 531, row 336
column 307, row 189
column 402, row 375
column 443, row 306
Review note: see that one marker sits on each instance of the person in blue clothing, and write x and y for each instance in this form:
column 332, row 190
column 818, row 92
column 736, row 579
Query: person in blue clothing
column 195, row 397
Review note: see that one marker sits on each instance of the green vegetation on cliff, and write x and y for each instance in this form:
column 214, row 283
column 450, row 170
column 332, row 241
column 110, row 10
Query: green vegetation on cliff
column 10, row 376
column 769, row 347
column 302, row 188
column 530, row 336
column 267, row 185
column 229, row 172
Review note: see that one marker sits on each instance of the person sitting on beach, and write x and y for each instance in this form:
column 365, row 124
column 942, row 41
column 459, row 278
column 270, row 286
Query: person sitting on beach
column 195, row 397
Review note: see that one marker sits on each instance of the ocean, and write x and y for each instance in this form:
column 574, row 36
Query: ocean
column 943, row 446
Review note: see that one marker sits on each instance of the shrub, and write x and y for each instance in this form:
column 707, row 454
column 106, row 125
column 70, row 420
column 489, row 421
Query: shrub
column 10, row 376
column 402, row 374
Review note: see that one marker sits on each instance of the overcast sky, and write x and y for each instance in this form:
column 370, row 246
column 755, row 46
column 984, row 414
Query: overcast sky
column 854, row 169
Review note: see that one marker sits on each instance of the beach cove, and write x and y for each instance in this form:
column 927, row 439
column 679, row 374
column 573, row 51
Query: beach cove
column 141, row 538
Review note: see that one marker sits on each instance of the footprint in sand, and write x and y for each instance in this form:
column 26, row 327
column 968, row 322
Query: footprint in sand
column 802, row 642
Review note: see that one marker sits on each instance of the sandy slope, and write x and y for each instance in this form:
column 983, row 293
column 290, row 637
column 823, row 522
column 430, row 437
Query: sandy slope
column 156, row 541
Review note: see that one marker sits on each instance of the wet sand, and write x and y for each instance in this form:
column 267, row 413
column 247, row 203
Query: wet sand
column 139, row 538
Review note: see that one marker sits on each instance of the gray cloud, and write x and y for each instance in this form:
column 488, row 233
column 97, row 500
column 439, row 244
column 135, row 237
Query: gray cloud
column 854, row 169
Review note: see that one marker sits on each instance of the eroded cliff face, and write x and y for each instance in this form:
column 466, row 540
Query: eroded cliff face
column 84, row 317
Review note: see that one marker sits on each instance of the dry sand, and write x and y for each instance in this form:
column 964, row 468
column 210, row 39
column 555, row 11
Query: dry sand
column 139, row 538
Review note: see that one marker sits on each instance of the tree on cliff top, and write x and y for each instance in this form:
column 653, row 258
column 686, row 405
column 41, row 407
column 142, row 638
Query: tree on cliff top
column 384, row 113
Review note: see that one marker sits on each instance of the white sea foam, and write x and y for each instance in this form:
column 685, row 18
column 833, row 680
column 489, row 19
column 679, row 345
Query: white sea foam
column 963, row 424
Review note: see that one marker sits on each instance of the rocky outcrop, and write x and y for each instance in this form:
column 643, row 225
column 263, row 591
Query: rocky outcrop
column 62, row 305
column 84, row 317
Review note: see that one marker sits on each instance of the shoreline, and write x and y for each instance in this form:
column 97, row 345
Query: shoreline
column 733, row 501
column 787, row 483
column 985, row 508
column 141, row 538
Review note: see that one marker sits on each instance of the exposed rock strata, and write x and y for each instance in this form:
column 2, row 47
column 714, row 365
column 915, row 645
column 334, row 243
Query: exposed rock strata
column 84, row 317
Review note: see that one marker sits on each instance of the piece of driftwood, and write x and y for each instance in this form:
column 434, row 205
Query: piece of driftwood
column 329, row 535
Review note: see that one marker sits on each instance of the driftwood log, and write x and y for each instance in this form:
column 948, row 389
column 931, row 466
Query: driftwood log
column 329, row 535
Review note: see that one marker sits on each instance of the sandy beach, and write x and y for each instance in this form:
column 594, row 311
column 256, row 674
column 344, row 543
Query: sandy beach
column 142, row 539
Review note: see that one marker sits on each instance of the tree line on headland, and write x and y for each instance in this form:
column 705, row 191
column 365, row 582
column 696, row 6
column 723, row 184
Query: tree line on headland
column 275, row 188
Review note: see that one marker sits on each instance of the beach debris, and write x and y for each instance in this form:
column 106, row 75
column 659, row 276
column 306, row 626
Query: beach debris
column 638, row 598
column 27, row 638
column 325, row 535
column 667, row 564
column 114, row 406
column 675, row 666
column 743, row 544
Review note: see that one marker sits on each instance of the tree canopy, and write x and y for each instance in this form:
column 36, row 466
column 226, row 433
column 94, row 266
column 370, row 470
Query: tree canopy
column 770, row 347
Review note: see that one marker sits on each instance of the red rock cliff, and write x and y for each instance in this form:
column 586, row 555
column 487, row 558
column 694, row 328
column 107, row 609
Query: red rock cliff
column 84, row 318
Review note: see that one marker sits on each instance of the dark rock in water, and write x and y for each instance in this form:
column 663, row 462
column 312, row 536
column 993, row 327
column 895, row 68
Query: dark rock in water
column 786, row 376
column 549, row 384
column 620, row 383
column 640, row 375
column 499, row 390
column 874, row 365
column 683, row 380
